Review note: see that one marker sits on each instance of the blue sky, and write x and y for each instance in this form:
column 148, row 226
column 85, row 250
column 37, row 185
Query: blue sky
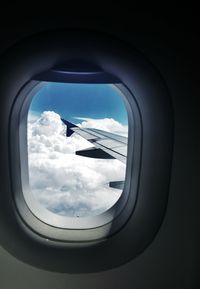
column 95, row 101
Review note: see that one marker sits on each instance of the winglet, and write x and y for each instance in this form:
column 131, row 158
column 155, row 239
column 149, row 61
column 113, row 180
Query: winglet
column 69, row 125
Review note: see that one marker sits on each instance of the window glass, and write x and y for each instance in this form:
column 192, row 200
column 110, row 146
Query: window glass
column 81, row 174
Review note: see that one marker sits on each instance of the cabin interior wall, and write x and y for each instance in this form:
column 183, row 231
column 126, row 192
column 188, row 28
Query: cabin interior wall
column 172, row 259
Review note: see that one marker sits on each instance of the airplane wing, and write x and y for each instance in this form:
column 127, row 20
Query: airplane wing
column 107, row 145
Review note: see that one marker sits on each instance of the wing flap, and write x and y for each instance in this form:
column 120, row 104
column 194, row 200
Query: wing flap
column 96, row 153
column 117, row 185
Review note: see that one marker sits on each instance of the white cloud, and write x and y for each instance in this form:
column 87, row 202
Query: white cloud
column 107, row 124
column 63, row 182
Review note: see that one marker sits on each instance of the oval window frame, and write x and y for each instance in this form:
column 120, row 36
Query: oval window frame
column 153, row 103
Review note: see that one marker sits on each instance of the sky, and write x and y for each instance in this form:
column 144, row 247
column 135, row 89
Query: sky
column 64, row 183
column 96, row 101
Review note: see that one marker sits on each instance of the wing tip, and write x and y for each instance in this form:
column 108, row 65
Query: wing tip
column 69, row 125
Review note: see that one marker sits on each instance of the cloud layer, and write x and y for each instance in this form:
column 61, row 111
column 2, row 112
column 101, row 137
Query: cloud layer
column 63, row 182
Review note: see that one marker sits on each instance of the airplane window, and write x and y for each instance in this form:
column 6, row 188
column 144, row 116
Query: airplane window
column 77, row 146
column 88, row 152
